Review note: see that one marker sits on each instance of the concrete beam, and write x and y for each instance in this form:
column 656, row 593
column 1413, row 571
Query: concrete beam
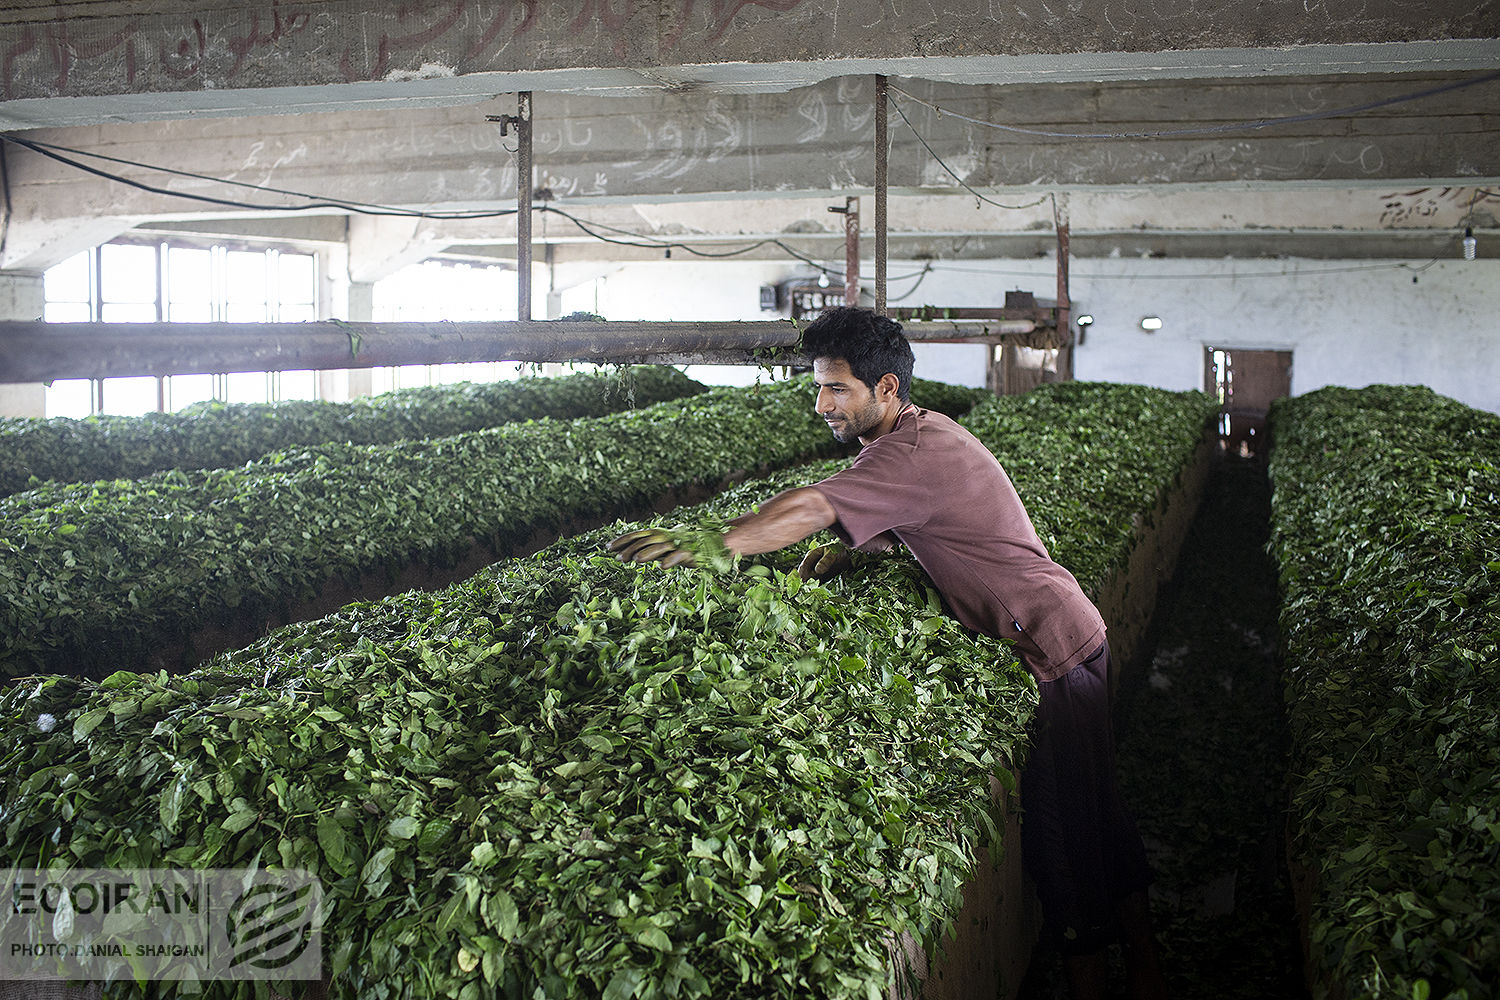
column 909, row 254
column 33, row 242
column 1195, row 222
column 110, row 60
column 1197, row 208
column 330, row 230
column 1314, row 223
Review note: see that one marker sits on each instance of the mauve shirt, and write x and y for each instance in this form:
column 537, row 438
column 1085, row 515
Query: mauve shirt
column 936, row 488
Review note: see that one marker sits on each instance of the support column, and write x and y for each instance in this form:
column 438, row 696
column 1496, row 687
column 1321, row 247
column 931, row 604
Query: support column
column 340, row 296
column 361, row 310
column 22, row 297
column 1064, row 300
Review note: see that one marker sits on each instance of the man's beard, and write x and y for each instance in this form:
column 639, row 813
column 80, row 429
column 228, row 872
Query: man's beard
column 856, row 424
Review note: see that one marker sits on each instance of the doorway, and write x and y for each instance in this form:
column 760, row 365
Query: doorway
column 1246, row 383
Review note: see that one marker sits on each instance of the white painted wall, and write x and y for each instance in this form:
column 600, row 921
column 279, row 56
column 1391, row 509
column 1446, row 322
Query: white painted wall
column 958, row 364
column 1350, row 323
column 669, row 290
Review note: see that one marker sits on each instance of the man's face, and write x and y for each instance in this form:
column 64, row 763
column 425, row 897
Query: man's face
column 846, row 403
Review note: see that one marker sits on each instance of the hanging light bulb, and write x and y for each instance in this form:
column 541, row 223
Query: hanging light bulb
column 1471, row 245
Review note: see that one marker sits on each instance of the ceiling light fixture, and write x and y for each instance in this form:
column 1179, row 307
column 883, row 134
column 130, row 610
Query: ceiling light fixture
column 1084, row 322
column 1471, row 245
column 1150, row 323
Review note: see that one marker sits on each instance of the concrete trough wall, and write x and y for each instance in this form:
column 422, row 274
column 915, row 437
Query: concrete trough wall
column 1000, row 920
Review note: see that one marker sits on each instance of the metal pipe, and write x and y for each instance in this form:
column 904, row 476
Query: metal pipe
column 1064, row 306
column 34, row 351
column 881, row 179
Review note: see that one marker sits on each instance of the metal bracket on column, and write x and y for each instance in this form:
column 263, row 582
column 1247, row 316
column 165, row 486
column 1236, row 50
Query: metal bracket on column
column 521, row 122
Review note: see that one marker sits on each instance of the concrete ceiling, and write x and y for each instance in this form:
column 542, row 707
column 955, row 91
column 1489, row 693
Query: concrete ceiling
column 745, row 120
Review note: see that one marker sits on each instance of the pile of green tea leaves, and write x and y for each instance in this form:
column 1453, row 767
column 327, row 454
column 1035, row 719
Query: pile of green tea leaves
column 213, row 435
column 573, row 776
column 567, row 775
column 1386, row 501
column 1091, row 460
column 105, row 574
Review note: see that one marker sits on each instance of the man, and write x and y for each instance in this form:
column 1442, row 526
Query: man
column 922, row 480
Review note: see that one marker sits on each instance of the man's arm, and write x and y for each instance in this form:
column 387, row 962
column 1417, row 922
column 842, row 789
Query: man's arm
column 783, row 520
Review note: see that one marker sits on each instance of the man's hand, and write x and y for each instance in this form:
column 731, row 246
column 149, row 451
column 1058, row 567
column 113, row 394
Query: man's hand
column 650, row 545
column 824, row 561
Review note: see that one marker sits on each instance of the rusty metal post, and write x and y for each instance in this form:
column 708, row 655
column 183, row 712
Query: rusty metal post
column 523, row 205
column 851, row 251
column 881, row 153
column 1064, row 303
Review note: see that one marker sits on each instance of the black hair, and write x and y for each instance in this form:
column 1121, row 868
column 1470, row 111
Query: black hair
column 872, row 344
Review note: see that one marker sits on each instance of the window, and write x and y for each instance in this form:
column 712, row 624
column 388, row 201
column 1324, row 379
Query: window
column 140, row 282
column 445, row 290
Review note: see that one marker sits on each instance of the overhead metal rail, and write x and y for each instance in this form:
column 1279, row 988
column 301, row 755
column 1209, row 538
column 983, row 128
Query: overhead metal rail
column 33, row 351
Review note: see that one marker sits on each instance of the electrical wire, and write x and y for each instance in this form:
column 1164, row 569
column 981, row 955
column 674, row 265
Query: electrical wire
column 921, row 276
column 649, row 242
column 1257, row 123
column 63, row 154
column 962, row 183
column 315, row 201
column 655, row 243
column 39, row 145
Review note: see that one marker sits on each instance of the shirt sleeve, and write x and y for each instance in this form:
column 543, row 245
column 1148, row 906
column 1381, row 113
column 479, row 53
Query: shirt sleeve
column 876, row 494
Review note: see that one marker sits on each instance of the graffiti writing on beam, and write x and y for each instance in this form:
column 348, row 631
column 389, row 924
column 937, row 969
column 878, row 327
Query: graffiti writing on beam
column 221, row 48
column 1426, row 206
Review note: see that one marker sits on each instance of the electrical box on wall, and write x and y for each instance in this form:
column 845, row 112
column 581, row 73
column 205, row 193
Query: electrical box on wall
column 805, row 296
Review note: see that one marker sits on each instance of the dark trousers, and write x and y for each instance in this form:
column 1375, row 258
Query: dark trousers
column 1078, row 842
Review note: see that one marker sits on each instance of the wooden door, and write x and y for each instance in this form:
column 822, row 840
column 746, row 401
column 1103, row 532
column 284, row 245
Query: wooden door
column 1246, row 383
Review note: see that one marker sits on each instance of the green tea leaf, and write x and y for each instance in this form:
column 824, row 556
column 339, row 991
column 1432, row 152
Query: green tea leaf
column 403, row 827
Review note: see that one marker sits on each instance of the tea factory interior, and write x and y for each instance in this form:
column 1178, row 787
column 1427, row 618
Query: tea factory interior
column 279, row 200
